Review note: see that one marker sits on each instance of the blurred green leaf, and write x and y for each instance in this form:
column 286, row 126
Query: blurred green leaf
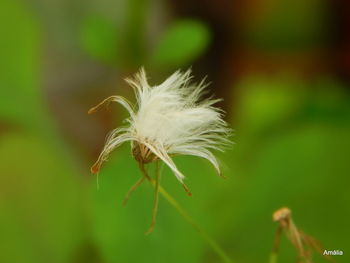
column 183, row 42
column 40, row 205
column 266, row 102
column 100, row 38
column 19, row 65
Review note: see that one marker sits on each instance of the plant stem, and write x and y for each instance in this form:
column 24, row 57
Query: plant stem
column 214, row 245
column 273, row 258
column 276, row 244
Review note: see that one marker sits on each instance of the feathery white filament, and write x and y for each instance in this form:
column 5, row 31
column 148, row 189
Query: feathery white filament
column 168, row 119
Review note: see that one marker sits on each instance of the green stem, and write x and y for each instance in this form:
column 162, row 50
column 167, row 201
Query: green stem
column 215, row 246
column 273, row 258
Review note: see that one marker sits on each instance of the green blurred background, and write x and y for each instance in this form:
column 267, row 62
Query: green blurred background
column 283, row 69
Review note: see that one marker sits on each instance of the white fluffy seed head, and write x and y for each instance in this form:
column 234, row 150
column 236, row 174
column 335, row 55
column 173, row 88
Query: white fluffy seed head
column 169, row 119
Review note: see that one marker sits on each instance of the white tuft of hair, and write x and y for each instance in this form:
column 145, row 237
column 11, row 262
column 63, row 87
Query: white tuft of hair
column 169, row 119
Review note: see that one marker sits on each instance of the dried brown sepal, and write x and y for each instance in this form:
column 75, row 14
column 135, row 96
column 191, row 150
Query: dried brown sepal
column 143, row 154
